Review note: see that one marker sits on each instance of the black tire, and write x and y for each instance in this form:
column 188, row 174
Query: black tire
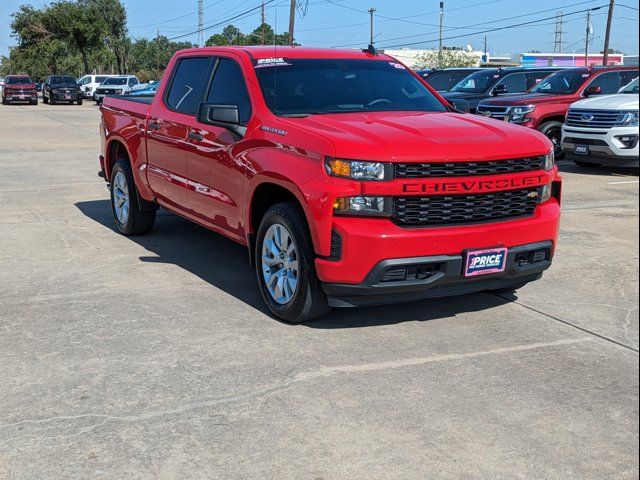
column 44, row 98
column 582, row 164
column 553, row 131
column 80, row 102
column 138, row 221
column 309, row 300
column 4, row 102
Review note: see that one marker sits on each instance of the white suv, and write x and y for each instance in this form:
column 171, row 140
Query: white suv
column 89, row 83
column 603, row 130
column 115, row 86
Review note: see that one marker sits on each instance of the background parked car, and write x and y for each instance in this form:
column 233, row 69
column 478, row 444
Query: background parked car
column 89, row 83
column 19, row 88
column 545, row 106
column 1, row 84
column 115, row 86
column 491, row 82
column 149, row 90
column 445, row 80
column 61, row 88
column 603, row 130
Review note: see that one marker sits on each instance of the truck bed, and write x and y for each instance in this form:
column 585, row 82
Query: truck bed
column 137, row 105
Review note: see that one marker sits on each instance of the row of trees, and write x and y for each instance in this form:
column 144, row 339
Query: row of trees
column 83, row 36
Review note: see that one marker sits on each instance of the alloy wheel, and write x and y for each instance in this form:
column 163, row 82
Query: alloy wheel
column 121, row 197
column 280, row 267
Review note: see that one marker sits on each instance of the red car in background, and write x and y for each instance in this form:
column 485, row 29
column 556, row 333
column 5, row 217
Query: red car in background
column 545, row 106
column 19, row 88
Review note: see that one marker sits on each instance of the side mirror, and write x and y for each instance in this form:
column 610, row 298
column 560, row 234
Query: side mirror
column 225, row 116
column 500, row 90
column 592, row 91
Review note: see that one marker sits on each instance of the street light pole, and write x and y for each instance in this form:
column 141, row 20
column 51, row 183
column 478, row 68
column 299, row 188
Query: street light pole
column 586, row 45
column 371, row 12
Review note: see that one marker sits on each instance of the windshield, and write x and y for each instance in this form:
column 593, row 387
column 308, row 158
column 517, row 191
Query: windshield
column 57, row 80
column 318, row 86
column 115, row 81
column 478, row 82
column 631, row 88
column 18, row 80
column 564, row 82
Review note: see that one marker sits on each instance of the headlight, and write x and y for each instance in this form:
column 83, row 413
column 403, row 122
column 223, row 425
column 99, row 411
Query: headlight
column 549, row 161
column 356, row 170
column 518, row 114
column 363, row 206
column 630, row 119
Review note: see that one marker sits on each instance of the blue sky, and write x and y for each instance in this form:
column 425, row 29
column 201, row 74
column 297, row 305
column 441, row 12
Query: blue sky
column 399, row 22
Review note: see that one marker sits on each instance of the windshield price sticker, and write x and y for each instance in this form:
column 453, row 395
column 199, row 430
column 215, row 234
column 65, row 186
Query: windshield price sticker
column 397, row 65
column 271, row 62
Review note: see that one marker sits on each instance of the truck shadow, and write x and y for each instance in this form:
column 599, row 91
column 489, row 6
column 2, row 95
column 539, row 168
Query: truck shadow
column 225, row 265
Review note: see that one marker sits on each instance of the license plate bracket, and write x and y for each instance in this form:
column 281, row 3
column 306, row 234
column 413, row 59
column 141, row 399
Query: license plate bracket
column 485, row 262
column 581, row 149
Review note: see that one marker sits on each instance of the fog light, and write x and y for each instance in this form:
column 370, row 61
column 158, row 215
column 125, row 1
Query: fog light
column 364, row 206
column 629, row 141
column 545, row 193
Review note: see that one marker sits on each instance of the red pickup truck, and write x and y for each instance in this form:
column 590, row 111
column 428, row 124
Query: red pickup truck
column 349, row 179
column 545, row 106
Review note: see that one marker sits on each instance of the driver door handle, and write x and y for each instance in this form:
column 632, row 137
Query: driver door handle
column 195, row 136
column 154, row 125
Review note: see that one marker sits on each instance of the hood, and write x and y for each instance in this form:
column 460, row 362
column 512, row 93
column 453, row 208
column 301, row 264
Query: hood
column 529, row 99
column 619, row 101
column 423, row 136
column 64, row 85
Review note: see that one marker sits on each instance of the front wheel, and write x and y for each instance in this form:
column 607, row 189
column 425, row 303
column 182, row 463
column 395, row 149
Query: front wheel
column 129, row 218
column 285, row 266
column 553, row 131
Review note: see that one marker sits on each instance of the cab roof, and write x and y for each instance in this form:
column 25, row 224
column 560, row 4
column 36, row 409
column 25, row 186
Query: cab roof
column 261, row 52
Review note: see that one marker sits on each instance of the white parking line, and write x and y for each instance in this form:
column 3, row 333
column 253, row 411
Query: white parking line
column 623, row 183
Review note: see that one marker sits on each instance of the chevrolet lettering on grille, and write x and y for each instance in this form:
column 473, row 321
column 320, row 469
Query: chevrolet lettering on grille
column 466, row 186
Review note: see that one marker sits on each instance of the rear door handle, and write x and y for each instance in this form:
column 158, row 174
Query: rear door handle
column 195, row 136
column 153, row 126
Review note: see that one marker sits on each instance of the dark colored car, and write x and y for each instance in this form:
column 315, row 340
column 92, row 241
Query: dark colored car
column 444, row 80
column 61, row 89
column 491, row 82
column 19, row 88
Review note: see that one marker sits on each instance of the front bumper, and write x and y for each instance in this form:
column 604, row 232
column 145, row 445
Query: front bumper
column 21, row 97
column 66, row 97
column 604, row 147
column 438, row 276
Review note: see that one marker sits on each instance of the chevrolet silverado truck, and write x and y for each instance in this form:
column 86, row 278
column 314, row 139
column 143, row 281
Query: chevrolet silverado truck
column 349, row 179
column 545, row 107
column 603, row 130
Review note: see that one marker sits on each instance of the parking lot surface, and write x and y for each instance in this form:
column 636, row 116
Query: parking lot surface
column 153, row 357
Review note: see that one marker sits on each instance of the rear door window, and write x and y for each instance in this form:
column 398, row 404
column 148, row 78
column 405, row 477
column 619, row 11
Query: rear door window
column 626, row 77
column 534, row 78
column 190, row 80
column 229, row 88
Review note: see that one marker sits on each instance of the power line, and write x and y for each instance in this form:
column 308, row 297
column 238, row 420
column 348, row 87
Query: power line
column 506, row 27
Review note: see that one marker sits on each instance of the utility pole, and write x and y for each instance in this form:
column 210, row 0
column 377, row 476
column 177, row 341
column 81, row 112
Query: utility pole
column 557, row 48
column 264, row 20
column 586, row 45
column 607, row 35
column 200, row 23
column 486, row 54
column 371, row 12
column 440, row 38
column 292, row 21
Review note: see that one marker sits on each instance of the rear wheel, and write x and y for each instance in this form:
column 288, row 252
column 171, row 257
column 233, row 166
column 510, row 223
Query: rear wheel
column 285, row 266
column 553, row 131
column 129, row 218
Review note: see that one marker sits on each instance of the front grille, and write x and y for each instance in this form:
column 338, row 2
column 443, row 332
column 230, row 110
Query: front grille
column 594, row 118
column 107, row 91
column 497, row 112
column 467, row 169
column 464, row 209
column 585, row 141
